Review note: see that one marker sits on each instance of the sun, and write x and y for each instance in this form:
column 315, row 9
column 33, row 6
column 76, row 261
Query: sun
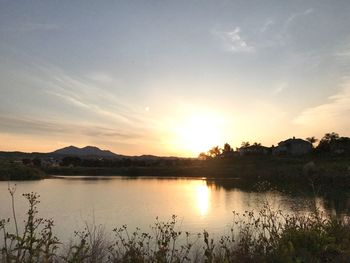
column 199, row 132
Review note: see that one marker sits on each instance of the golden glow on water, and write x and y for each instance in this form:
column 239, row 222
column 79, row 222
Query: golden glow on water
column 203, row 198
column 112, row 201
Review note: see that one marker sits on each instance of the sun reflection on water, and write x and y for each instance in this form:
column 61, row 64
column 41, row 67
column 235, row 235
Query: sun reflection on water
column 203, row 198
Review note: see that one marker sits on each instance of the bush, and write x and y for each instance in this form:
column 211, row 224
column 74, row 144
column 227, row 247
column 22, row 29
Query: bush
column 18, row 171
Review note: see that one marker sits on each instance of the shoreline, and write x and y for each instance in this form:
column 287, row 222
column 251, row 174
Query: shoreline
column 320, row 170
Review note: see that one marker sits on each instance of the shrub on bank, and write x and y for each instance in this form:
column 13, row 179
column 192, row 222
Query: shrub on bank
column 18, row 171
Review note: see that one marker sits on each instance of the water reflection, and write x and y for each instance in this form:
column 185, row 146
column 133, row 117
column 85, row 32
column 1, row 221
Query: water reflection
column 198, row 203
column 334, row 201
column 203, row 198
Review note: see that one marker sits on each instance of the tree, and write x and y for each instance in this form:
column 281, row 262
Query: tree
column 214, row 152
column 227, row 151
column 325, row 142
column 203, row 156
column 257, row 144
column 245, row 144
column 312, row 140
column 227, row 148
column 328, row 137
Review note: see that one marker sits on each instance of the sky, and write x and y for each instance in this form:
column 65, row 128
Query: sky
column 171, row 77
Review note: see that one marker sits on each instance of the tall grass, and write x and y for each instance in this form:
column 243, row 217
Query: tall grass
column 264, row 236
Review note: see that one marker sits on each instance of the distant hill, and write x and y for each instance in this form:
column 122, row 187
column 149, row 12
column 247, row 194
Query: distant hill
column 85, row 151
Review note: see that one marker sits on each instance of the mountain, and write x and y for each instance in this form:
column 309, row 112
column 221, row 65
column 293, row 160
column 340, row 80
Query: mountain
column 85, row 151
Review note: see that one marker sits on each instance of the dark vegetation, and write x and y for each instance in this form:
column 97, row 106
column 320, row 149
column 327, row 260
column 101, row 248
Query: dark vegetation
column 326, row 164
column 264, row 236
column 248, row 169
column 10, row 170
column 331, row 144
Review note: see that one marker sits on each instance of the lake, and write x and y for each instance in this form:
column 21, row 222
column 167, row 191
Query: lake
column 114, row 201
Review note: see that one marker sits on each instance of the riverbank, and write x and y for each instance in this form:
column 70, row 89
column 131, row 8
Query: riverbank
column 248, row 170
column 332, row 171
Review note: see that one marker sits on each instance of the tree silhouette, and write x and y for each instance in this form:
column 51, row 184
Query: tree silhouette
column 325, row 142
column 203, row 156
column 245, row 144
column 214, row 152
column 257, row 144
column 312, row 140
column 227, row 148
column 328, row 137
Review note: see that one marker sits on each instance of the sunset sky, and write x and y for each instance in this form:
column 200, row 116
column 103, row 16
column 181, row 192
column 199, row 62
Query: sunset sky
column 171, row 77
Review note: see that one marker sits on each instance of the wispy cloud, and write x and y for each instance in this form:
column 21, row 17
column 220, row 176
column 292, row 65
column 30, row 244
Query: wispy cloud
column 84, row 94
column 30, row 125
column 266, row 26
column 100, row 77
column 342, row 56
column 294, row 16
column 333, row 114
column 68, row 98
column 281, row 29
column 235, row 42
column 80, row 109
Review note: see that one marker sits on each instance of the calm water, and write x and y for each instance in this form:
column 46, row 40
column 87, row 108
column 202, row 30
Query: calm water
column 114, row 201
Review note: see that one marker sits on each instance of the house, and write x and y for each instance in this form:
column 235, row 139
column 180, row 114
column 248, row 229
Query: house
column 254, row 150
column 292, row 146
column 50, row 162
